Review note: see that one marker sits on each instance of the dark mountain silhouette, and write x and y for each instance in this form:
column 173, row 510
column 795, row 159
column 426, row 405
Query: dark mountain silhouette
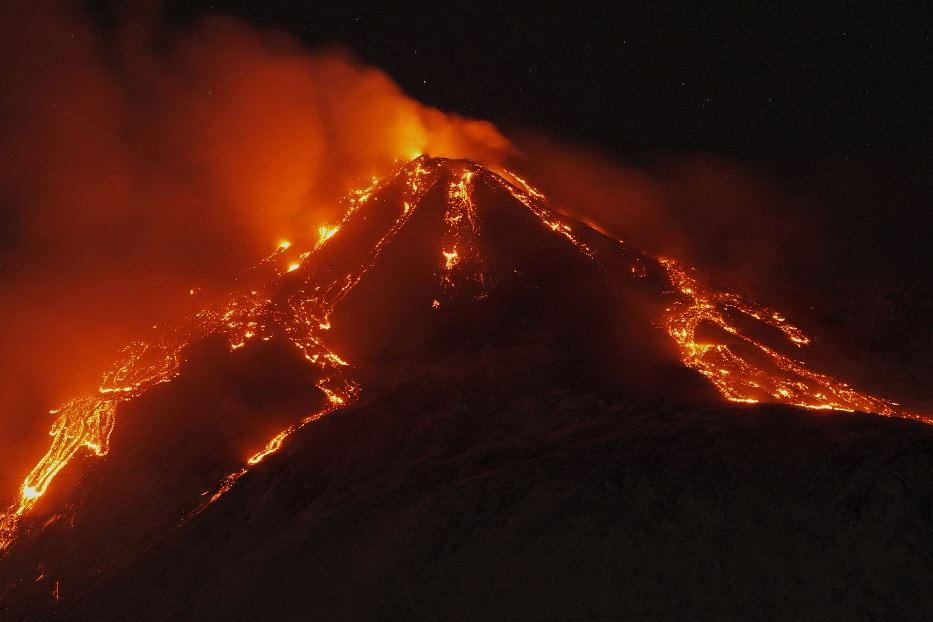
column 510, row 432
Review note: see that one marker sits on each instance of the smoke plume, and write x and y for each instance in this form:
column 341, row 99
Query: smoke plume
column 139, row 164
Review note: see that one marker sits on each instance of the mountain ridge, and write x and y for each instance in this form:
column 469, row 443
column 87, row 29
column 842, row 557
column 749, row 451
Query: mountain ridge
column 444, row 280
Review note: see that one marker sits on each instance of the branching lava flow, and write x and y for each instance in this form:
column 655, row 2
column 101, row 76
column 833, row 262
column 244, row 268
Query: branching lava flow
column 296, row 304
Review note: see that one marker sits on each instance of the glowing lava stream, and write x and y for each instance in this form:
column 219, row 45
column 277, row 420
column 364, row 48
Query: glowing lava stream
column 740, row 380
column 737, row 378
column 339, row 390
column 460, row 249
column 86, row 423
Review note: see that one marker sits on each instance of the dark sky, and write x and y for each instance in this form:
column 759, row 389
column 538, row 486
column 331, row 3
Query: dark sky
column 755, row 83
column 831, row 103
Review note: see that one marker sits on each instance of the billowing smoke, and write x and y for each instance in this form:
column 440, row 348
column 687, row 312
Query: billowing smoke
column 138, row 164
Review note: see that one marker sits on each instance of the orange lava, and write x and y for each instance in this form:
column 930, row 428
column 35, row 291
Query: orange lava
column 746, row 370
column 84, row 425
column 756, row 372
column 461, row 253
column 764, row 376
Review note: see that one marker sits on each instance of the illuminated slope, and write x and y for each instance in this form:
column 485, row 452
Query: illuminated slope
column 746, row 370
column 294, row 304
column 430, row 247
column 752, row 371
column 501, row 492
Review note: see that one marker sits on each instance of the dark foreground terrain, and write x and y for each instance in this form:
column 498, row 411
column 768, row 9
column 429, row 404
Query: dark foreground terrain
column 506, row 498
column 530, row 448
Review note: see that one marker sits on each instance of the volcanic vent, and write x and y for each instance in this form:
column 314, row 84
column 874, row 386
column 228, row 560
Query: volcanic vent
column 438, row 261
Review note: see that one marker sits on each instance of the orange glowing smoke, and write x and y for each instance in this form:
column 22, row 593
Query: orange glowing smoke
column 140, row 162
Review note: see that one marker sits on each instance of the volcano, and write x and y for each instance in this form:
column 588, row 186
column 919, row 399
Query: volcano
column 460, row 402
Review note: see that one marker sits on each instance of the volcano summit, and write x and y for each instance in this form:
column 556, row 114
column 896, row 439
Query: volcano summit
column 512, row 412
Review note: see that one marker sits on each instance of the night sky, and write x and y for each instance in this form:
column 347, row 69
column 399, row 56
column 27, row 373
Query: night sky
column 762, row 84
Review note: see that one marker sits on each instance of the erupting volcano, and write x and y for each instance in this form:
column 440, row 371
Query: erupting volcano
column 439, row 261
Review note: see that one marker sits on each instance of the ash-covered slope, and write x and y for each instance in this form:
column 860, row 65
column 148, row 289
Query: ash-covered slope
column 486, row 487
column 457, row 402
column 469, row 265
column 438, row 260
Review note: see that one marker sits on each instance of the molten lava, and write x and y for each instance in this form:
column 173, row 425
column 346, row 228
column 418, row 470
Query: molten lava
column 460, row 250
column 296, row 300
column 735, row 375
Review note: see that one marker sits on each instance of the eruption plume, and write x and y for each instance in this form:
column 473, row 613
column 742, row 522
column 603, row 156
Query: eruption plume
column 143, row 170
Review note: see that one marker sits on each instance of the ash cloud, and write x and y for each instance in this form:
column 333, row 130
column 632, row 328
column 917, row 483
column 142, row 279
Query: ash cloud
column 137, row 163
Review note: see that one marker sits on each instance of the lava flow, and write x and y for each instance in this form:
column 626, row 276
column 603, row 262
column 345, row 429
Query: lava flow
column 300, row 313
column 776, row 377
column 298, row 296
column 737, row 375
column 460, row 249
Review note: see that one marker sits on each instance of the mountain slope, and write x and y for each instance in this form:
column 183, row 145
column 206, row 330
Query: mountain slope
column 509, row 382
column 515, row 496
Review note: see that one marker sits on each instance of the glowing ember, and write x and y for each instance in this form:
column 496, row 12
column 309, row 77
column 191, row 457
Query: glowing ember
column 324, row 234
column 450, row 258
column 737, row 377
column 460, row 239
column 84, row 423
